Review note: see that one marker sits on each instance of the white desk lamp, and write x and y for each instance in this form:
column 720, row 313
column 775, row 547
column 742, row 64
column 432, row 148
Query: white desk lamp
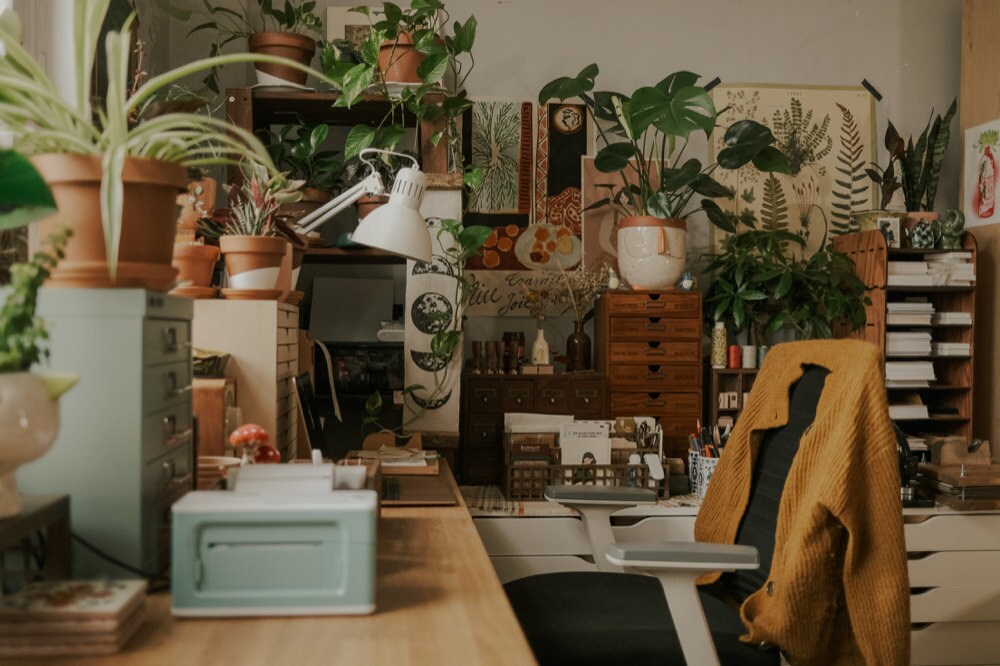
column 397, row 227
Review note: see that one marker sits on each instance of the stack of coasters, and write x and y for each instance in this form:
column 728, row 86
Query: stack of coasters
column 66, row 618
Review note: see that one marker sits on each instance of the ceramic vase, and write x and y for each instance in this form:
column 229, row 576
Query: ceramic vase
column 540, row 348
column 652, row 252
column 578, row 350
column 719, row 345
column 253, row 262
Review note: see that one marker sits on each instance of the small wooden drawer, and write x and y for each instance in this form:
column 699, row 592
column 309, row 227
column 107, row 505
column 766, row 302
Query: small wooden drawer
column 482, row 432
column 285, row 388
column 287, row 353
column 552, row 396
column 654, row 328
column 165, row 341
column 656, row 404
column 517, row 395
column 654, row 352
column 656, row 377
column 484, row 395
column 651, row 304
column 288, row 318
column 586, row 398
column 286, row 370
column 288, row 336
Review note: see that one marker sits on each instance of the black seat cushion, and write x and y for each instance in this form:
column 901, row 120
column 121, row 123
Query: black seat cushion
column 581, row 618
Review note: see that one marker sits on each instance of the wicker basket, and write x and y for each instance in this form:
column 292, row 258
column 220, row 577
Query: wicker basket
column 527, row 481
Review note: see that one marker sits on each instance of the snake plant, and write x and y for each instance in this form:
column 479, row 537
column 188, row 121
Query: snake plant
column 920, row 162
column 42, row 121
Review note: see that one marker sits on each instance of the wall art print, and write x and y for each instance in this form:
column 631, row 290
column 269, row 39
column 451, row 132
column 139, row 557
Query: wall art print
column 979, row 187
column 828, row 134
column 498, row 138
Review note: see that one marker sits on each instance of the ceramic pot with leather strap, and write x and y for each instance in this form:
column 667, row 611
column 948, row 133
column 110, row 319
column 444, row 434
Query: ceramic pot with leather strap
column 652, row 252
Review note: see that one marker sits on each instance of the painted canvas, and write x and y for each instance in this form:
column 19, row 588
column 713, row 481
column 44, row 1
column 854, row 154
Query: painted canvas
column 497, row 138
column 980, row 174
column 828, row 134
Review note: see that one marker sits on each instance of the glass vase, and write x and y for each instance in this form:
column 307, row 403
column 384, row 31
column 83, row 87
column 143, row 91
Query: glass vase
column 578, row 349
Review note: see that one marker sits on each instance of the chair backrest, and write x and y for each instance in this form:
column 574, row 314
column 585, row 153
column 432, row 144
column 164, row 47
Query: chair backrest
column 304, row 394
column 774, row 460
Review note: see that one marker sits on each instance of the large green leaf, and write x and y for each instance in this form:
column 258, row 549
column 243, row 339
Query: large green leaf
column 743, row 140
column 24, row 196
column 603, row 107
column 465, row 35
column 772, row 160
column 718, row 217
column 359, row 138
column 707, row 186
column 674, row 82
column 566, row 87
column 689, row 109
column 433, row 68
column 614, row 157
column 684, row 175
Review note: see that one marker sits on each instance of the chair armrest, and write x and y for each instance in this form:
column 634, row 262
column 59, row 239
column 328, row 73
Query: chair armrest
column 683, row 555
column 615, row 495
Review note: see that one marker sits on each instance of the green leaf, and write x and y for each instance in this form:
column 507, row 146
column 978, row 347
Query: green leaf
column 687, row 173
column 472, row 237
column 359, row 138
column 566, row 87
column 717, row 216
column 614, row 157
column 373, row 405
column 689, row 109
column 603, row 107
column 318, row 135
column 752, row 295
column 744, row 140
column 389, row 137
column 707, row 186
column 433, row 68
column 658, row 205
column 465, row 35
column 676, row 81
column 772, row 160
column 784, row 285
column 24, row 196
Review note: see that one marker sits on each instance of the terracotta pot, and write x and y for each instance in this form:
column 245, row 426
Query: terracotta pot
column 286, row 45
column 398, row 61
column 285, row 283
column 195, row 263
column 312, row 199
column 253, row 262
column 366, row 205
column 652, row 252
column 196, row 203
column 148, row 221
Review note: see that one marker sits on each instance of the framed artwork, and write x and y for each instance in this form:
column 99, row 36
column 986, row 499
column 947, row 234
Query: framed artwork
column 828, row 134
column 979, row 184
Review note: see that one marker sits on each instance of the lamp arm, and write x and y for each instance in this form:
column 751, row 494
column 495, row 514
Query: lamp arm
column 371, row 185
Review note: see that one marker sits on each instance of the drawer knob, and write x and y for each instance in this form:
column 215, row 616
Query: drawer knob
column 483, row 435
column 519, row 401
column 485, row 399
column 586, row 401
column 552, row 401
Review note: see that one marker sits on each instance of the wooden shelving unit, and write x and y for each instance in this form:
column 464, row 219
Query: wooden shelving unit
column 725, row 380
column 336, row 255
column 953, row 388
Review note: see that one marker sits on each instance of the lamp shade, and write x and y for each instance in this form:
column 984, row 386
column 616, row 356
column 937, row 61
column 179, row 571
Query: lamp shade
column 398, row 227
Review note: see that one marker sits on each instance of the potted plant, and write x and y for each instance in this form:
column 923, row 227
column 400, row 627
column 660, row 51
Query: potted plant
column 888, row 182
column 644, row 137
column 297, row 150
column 763, row 282
column 29, row 411
column 583, row 287
column 252, row 249
column 195, row 263
column 920, row 169
column 281, row 32
column 410, row 59
column 198, row 201
column 115, row 169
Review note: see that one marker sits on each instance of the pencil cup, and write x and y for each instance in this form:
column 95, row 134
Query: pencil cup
column 693, row 471
column 706, row 468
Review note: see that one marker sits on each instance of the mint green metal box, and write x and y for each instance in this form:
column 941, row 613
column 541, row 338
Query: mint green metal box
column 244, row 554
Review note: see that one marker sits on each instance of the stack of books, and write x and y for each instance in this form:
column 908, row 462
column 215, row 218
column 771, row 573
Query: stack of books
column 952, row 269
column 909, row 374
column 952, row 318
column 908, row 411
column 915, row 312
column 952, row 349
column 70, row 618
column 909, row 274
column 908, row 343
column 916, row 443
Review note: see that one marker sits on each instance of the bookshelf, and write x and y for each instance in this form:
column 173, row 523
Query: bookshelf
column 949, row 396
column 729, row 380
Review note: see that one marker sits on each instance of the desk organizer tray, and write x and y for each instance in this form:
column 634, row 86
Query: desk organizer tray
column 526, row 480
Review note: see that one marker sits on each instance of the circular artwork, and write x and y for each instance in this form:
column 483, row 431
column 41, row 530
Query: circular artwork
column 431, row 313
column 438, row 266
column 431, row 404
column 547, row 247
column 568, row 119
column 428, row 361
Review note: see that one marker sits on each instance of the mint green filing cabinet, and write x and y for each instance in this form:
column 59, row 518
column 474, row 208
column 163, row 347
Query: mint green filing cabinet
column 125, row 448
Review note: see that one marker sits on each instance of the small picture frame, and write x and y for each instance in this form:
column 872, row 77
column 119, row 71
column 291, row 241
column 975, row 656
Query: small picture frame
column 889, row 226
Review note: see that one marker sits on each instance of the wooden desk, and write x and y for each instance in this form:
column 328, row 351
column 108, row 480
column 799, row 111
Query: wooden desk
column 439, row 602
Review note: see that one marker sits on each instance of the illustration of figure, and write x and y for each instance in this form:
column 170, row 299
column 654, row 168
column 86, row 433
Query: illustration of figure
column 887, row 231
column 583, row 475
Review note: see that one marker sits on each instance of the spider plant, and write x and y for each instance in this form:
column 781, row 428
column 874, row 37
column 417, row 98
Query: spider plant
column 42, row 121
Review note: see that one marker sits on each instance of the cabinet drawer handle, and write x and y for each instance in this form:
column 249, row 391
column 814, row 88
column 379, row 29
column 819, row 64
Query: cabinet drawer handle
column 484, row 435
column 655, row 403
column 653, row 375
column 171, row 390
column 170, row 343
column 552, row 401
column 170, row 425
column 656, row 327
column 179, row 438
column 586, row 401
column 485, row 399
column 656, row 352
column 519, row 401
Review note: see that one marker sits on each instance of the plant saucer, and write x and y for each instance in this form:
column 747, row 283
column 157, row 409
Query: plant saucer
column 252, row 294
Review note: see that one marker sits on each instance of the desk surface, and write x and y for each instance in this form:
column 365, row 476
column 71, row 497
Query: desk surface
column 438, row 602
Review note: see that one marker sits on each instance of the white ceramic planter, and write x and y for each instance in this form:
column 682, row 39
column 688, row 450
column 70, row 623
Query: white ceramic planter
column 652, row 252
column 29, row 423
column 261, row 278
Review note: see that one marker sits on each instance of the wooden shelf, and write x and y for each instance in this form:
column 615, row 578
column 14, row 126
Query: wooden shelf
column 928, row 290
column 275, row 106
column 940, row 419
column 736, row 371
column 938, row 387
column 929, row 325
column 361, row 255
column 916, row 252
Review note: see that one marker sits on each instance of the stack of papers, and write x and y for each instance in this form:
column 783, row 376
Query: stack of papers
column 951, row 349
column 953, row 269
column 909, row 274
column 916, row 443
column 909, row 313
column 902, row 374
column 952, row 318
column 908, row 343
column 897, row 412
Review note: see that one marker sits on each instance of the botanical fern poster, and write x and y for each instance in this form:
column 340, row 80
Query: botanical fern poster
column 828, row 134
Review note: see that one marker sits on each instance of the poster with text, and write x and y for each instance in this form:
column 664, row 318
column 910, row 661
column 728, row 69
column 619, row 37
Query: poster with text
column 980, row 186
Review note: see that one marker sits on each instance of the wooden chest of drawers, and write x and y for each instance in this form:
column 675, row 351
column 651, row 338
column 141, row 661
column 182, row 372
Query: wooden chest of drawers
column 648, row 343
column 486, row 398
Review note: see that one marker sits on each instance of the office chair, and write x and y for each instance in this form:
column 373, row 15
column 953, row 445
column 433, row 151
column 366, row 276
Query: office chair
column 662, row 618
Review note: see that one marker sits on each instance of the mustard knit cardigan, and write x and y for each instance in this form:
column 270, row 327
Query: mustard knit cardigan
column 838, row 591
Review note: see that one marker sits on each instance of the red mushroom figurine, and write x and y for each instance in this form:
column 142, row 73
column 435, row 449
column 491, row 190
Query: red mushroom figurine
column 254, row 441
